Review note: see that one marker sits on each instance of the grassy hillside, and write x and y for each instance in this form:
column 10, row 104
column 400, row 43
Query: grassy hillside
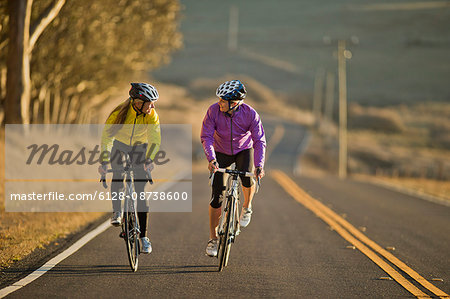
column 395, row 141
column 400, row 55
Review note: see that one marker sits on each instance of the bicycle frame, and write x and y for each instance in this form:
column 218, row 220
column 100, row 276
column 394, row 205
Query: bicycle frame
column 228, row 227
column 231, row 194
column 130, row 204
column 130, row 224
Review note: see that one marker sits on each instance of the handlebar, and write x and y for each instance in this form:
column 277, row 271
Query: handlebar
column 235, row 172
column 103, row 177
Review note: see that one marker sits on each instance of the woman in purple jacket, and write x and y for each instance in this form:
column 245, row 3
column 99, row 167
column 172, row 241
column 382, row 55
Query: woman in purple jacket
column 232, row 132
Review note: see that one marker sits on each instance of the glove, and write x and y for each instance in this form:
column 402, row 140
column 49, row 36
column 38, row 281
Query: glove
column 102, row 169
column 259, row 172
column 213, row 165
column 148, row 165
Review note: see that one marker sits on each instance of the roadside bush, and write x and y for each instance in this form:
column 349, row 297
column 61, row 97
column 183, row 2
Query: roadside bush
column 439, row 132
column 372, row 159
column 375, row 119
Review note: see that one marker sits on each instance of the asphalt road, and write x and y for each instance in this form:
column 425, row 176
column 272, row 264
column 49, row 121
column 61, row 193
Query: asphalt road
column 286, row 251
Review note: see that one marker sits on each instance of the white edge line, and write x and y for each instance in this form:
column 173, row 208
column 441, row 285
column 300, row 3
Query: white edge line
column 410, row 192
column 54, row 261
column 66, row 253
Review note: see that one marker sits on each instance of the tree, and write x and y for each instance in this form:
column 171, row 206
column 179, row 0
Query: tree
column 91, row 47
column 22, row 38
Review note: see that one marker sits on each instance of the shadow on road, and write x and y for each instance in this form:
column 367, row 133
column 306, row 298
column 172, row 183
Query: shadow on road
column 72, row 270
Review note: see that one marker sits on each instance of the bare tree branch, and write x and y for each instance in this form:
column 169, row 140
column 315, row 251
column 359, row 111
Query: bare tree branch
column 47, row 16
column 4, row 21
column 3, row 43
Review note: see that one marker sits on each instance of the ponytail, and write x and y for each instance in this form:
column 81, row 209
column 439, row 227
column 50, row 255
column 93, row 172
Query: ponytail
column 120, row 119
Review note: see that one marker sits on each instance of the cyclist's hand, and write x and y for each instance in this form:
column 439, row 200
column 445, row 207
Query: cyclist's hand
column 102, row 169
column 259, row 172
column 148, row 165
column 213, row 165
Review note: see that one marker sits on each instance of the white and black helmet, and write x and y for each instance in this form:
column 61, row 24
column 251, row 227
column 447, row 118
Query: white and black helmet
column 232, row 90
column 144, row 92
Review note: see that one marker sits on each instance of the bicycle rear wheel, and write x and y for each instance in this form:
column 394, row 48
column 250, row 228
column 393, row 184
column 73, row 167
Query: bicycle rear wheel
column 132, row 239
column 225, row 239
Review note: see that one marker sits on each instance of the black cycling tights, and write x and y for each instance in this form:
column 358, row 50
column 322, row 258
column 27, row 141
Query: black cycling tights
column 142, row 223
column 244, row 162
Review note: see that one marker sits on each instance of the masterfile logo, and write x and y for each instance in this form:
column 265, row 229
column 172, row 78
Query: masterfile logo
column 55, row 168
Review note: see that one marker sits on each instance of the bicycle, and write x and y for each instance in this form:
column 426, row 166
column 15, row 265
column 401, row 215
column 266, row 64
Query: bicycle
column 130, row 224
column 228, row 228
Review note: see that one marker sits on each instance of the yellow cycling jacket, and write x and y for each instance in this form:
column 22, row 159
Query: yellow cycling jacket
column 142, row 128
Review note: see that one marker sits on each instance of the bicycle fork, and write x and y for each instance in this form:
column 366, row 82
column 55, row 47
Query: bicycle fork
column 130, row 206
column 235, row 227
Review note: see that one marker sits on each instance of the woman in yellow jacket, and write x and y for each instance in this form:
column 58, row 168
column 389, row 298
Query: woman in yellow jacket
column 132, row 129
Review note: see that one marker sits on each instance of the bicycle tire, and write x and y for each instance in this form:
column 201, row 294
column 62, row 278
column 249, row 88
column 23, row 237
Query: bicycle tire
column 225, row 242
column 222, row 248
column 131, row 239
column 231, row 230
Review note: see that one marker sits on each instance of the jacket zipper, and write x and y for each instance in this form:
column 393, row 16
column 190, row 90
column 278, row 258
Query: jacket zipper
column 231, row 128
column 132, row 132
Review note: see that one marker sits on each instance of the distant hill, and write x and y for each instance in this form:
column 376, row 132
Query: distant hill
column 400, row 51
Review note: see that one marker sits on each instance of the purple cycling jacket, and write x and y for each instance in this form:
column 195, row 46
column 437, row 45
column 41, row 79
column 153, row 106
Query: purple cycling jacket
column 231, row 134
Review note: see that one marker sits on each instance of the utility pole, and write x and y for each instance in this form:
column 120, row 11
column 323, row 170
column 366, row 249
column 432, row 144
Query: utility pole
column 343, row 54
column 233, row 27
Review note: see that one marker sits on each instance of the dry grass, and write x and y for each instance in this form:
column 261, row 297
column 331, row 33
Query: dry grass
column 375, row 119
column 321, row 159
column 21, row 233
column 435, row 188
column 410, row 152
column 418, row 147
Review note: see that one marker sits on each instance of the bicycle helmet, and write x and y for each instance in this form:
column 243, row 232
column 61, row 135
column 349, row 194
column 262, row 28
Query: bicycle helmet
column 231, row 91
column 144, row 92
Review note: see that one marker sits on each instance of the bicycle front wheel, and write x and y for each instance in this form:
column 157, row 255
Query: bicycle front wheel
column 226, row 238
column 132, row 239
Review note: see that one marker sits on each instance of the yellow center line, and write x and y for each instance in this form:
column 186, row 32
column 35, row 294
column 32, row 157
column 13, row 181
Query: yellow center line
column 339, row 224
column 383, row 252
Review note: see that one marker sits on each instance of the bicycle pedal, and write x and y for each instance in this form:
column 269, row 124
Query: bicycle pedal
column 122, row 235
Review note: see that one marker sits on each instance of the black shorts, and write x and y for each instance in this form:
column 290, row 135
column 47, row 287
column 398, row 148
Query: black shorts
column 244, row 162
